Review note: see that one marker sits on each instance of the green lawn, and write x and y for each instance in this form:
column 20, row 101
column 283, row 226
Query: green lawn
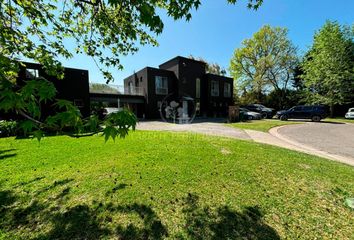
column 338, row 119
column 155, row 185
column 261, row 125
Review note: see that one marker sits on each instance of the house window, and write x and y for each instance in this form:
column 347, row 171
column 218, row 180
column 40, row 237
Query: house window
column 227, row 90
column 32, row 73
column 161, row 85
column 214, row 89
column 130, row 88
column 197, row 88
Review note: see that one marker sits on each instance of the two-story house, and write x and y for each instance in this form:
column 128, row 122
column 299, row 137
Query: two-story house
column 146, row 90
column 180, row 76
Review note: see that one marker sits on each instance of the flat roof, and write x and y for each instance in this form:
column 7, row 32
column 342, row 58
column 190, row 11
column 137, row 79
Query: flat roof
column 180, row 57
column 41, row 65
column 212, row 74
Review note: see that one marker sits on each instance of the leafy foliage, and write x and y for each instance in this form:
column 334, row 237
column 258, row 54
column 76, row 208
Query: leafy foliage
column 118, row 124
column 213, row 68
column 102, row 29
column 328, row 69
column 8, row 128
column 265, row 61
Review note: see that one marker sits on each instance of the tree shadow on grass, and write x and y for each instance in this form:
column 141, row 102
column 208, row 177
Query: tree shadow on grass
column 54, row 185
column 24, row 183
column 36, row 217
column 6, row 198
column 152, row 227
column 225, row 223
column 7, row 154
column 48, row 218
column 116, row 188
column 78, row 222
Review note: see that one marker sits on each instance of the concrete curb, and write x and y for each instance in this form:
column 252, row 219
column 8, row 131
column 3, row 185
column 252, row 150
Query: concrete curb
column 310, row 150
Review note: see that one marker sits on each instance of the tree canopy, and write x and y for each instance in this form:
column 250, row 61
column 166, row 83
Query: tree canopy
column 265, row 61
column 328, row 68
column 106, row 30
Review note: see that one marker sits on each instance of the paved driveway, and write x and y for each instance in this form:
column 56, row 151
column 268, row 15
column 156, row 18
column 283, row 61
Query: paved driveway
column 328, row 140
column 328, row 137
column 209, row 128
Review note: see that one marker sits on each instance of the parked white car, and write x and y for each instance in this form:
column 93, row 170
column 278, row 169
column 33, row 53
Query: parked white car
column 109, row 110
column 350, row 114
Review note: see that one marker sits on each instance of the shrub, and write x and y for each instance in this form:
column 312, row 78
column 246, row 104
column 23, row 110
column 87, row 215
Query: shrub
column 8, row 128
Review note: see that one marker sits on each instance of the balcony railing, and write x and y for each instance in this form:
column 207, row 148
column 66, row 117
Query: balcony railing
column 116, row 89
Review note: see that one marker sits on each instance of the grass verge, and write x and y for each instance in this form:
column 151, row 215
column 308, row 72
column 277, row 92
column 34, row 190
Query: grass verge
column 261, row 125
column 156, row 185
column 340, row 120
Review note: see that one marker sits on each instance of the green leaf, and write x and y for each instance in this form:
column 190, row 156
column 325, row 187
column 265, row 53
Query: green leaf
column 92, row 123
column 110, row 132
column 38, row 135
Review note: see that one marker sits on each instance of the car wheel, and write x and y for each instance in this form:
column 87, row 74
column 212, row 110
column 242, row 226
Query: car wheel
column 283, row 117
column 264, row 115
column 316, row 118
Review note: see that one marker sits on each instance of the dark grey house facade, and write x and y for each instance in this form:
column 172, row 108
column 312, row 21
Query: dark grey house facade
column 180, row 76
column 73, row 87
column 144, row 91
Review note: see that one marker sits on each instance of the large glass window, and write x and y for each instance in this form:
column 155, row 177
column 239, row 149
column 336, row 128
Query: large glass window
column 214, row 88
column 227, row 90
column 130, row 88
column 197, row 88
column 32, row 73
column 161, row 85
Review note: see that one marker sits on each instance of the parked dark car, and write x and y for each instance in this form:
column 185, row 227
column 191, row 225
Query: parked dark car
column 315, row 113
column 250, row 115
column 266, row 112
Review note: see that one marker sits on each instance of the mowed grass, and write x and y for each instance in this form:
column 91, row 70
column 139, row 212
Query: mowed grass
column 261, row 125
column 155, row 185
column 339, row 120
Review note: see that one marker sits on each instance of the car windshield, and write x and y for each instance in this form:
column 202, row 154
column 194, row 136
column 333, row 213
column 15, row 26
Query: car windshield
column 351, row 110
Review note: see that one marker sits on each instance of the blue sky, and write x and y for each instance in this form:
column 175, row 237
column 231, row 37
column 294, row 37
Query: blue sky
column 217, row 28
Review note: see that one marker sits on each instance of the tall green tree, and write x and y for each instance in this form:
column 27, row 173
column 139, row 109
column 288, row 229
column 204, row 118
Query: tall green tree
column 328, row 69
column 265, row 62
column 105, row 30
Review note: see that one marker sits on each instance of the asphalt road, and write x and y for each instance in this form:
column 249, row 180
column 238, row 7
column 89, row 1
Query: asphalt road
column 333, row 138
